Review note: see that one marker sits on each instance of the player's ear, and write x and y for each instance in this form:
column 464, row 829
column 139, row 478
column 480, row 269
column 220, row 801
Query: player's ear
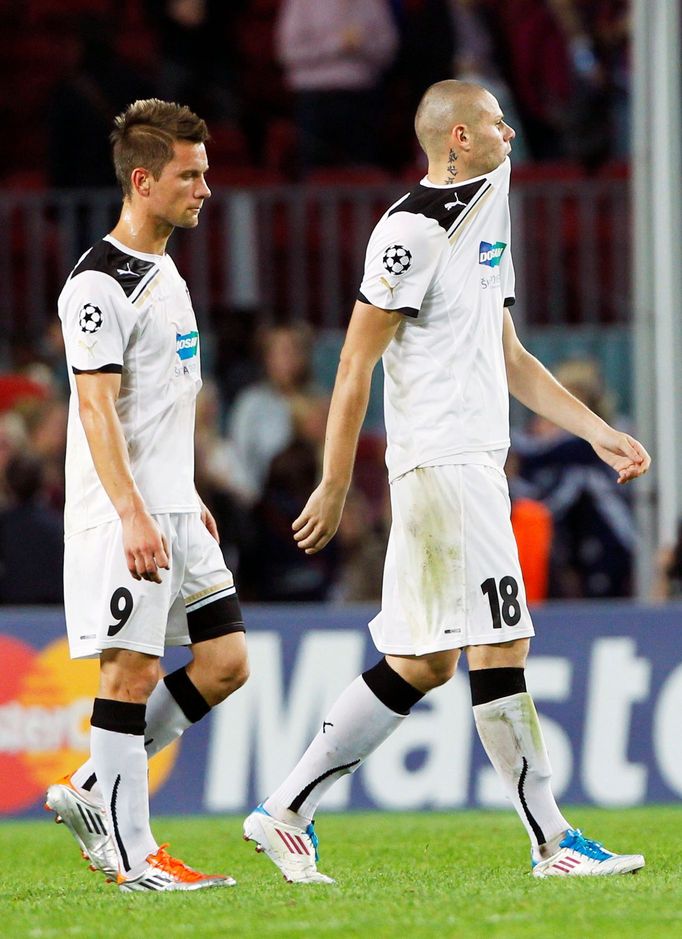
column 141, row 180
column 460, row 136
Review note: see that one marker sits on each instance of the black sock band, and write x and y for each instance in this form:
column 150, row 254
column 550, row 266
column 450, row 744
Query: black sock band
column 489, row 684
column 121, row 717
column 188, row 698
column 397, row 694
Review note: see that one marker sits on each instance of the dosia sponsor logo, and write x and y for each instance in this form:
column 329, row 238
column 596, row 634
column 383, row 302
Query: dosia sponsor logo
column 45, row 707
column 491, row 255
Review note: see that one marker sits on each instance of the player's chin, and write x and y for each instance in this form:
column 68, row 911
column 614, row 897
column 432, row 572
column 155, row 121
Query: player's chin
column 190, row 219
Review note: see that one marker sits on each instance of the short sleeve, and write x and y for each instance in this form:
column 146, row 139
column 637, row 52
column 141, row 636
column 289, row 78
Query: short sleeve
column 97, row 320
column 508, row 279
column 402, row 255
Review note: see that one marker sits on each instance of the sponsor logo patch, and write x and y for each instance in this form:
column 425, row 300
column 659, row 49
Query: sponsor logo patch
column 491, row 254
column 187, row 344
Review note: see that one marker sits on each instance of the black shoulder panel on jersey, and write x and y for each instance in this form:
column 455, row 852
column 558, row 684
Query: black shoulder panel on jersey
column 126, row 270
column 443, row 205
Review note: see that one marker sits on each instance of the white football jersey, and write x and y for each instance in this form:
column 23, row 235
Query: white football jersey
column 127, row 312
column 441, row 255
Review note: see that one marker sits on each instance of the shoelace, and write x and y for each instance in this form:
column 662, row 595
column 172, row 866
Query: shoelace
column 576, row 841
column 172, row 865
column 310, row 832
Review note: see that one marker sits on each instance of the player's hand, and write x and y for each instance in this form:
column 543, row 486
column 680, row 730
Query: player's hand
column 623, row 453
column 316, row 525
column 209, row 521
column 145, row 547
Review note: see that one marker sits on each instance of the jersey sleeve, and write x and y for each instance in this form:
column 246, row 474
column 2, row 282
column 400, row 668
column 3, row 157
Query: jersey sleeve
column 402, row 255
column 508, row 279
column 97, row 320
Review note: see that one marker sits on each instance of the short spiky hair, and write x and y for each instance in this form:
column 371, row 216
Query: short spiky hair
column 144, row 135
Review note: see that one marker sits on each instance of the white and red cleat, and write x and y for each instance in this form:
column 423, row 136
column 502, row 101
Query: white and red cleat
column 292, row 849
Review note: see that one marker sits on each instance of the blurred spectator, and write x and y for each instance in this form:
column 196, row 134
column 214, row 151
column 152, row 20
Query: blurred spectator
column 234, row 332
column 333, row 54
column 480, row 58
column 220, row 479
column 278, row 571
column 362, row 547
column 667, row 584
column 84, row 104
column 261, row 420
column 31, row 538
column 47, row 441
column 588, row 130
column 533, row 530
column 594, row 536
column 198, row 53
column 425, row 55
column 13, row 439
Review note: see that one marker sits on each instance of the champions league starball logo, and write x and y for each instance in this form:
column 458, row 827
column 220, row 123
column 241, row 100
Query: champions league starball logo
column 90, row 318
column 397, row 259
column 45, row 708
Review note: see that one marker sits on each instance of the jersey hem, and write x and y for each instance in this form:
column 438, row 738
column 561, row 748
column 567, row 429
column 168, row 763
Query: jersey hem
column 106, row 520
column 91, row 650
column 407, row 468
column 452, row 642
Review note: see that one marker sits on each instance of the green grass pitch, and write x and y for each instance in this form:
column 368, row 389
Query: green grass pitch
column 462, row 874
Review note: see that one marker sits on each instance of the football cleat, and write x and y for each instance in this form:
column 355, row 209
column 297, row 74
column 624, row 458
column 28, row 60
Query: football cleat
column 84, row 817
column 292, row 849
column 579, row 856
column 164, row 872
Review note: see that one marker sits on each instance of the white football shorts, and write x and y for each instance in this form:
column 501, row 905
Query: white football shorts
column 452, row 576
column 106, row 608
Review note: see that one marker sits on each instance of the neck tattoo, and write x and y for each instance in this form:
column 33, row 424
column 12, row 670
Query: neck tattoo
column 451, row 170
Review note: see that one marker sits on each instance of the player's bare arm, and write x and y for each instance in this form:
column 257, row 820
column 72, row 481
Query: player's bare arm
column 144, row 545
column 536, row 388
column 369, row 332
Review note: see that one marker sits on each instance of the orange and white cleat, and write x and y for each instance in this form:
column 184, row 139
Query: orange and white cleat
column 164, row 872
column 85, row 819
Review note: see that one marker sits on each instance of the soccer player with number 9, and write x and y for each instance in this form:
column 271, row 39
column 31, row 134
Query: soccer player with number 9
column 143, row 568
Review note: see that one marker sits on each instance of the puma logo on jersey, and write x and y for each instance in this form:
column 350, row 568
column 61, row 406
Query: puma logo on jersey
column 186, row 344
column 127, row 270
column 453, row 205
column 88, row 346
column 491, row 254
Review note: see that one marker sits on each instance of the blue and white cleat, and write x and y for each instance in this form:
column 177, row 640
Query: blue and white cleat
column 292, row 849
column 579, row 856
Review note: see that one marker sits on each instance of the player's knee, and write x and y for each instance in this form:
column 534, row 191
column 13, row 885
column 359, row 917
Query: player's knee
column 135, row 684
column 223, row 677
column 440, row 671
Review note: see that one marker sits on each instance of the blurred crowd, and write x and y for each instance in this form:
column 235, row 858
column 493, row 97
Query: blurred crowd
column 295, row 87
column 261, row 419
column 305, row 89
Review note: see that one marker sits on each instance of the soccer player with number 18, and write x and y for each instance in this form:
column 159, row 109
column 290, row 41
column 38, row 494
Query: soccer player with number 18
column 434, row 302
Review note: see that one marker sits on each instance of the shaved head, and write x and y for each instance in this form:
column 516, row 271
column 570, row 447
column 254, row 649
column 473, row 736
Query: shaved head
column 444, row 105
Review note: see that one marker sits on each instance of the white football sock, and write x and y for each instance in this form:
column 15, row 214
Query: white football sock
column 120, row 762
column 165, row 723
column 512, row 737
column 356, row 725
